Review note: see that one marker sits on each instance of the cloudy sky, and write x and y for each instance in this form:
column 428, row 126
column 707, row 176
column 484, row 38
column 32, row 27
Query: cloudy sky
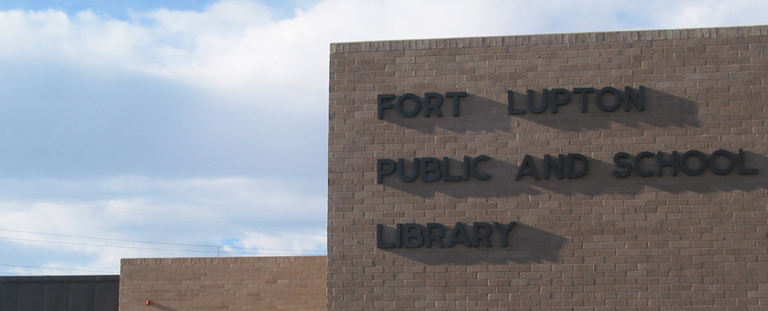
column 195, row 128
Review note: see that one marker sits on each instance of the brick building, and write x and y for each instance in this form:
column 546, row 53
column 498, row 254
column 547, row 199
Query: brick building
column 631, row 164
column 230, row 283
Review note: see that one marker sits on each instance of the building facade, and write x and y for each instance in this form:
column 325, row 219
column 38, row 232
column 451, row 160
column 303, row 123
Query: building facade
column 59, row 293
column 228, row 283
column 621, row 170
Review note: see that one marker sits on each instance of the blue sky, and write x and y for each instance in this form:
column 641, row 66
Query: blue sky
column 122, row 9
column 199, row 128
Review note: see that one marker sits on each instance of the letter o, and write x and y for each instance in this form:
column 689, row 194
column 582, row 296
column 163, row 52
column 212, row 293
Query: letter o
column 731, row 162
column 693, row 171
column 617, row 102
column 414, row 98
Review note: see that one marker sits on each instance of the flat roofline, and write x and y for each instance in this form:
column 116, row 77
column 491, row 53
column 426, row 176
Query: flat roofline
column 556, row 38
column 166, row 260
column 59, row 278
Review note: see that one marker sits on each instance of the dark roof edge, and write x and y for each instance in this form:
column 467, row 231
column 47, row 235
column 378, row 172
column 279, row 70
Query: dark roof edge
column 59, row 278
column 544, row 39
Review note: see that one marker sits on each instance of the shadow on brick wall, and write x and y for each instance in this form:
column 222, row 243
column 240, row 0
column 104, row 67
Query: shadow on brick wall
column 158, row 306
column 475, row 114
column 662, row 110
column 527, row 245
column 483, row 114
column 598, row 180
column 501, row 184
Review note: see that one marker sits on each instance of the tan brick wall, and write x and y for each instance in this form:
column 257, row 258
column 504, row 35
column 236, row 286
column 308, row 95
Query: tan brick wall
column 594, row 243
column 234, row 283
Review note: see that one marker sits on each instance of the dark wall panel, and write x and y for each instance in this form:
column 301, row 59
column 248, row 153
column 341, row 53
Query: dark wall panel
column 106, row 297
column 64, row 293
column 9, row 297
column 30, row 296
column 82, row 297
column 55, row 296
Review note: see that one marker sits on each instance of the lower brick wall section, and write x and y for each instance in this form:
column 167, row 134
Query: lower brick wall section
column 233, row 283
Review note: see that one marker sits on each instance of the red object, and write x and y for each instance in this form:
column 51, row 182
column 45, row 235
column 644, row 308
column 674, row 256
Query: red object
column 148, row 302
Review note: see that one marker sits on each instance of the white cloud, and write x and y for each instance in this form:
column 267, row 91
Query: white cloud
column 708, row 13
column 264, row 213
column 283, row 244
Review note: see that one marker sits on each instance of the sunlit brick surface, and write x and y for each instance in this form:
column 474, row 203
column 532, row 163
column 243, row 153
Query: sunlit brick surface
column 594, row 243
column 239, row 283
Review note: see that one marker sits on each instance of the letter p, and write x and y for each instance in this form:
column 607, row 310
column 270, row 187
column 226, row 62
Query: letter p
column 384, row 167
